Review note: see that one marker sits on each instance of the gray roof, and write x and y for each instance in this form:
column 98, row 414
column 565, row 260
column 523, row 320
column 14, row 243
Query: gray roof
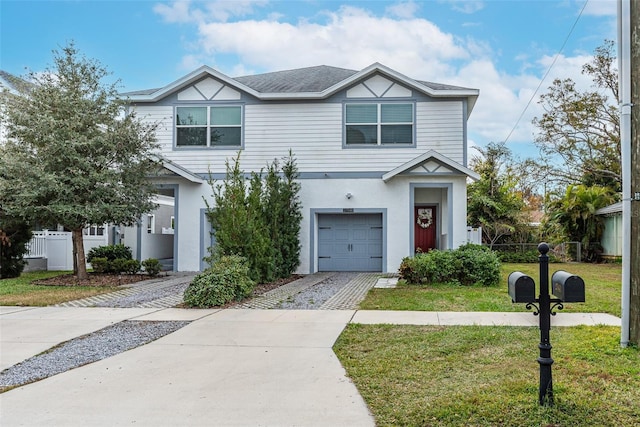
column 611, row 209
column 310, row 79
column 300, row 80
column 13, row 83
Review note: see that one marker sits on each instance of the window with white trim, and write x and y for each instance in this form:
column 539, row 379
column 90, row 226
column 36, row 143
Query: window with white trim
column 378, row 124
column 210, row 126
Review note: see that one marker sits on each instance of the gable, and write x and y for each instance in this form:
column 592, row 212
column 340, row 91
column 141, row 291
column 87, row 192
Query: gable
column 378, row 87
column 430, row 163
column 208, row 89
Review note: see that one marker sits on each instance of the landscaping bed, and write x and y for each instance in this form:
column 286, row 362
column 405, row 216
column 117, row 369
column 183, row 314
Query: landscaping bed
column 94, row 279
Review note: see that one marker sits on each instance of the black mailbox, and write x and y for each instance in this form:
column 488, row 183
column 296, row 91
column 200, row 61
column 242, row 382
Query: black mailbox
column 522, row 288
column 567, row 287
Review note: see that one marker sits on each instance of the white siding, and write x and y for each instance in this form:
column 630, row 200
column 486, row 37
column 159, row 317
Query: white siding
column 314, row 133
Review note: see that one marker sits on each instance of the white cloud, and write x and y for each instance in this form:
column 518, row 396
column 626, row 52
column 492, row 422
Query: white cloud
column 403, row 10
column 466, row 6
column 601, row 7
column 353, row 37
column 177, row 12
column 181, row 11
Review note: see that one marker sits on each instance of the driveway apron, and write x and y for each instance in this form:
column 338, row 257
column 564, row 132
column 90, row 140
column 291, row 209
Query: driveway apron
column 229, row 368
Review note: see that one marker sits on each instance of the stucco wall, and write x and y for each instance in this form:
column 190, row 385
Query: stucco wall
column 395, row 199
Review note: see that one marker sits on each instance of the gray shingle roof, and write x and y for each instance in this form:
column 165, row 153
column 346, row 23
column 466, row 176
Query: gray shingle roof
column 300, row 80
column 310, row 79
column 14, row 83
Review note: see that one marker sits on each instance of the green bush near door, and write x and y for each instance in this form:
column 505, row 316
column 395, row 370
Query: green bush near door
column 468, row 265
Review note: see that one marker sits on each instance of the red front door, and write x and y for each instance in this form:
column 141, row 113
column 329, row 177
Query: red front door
column 425, row 228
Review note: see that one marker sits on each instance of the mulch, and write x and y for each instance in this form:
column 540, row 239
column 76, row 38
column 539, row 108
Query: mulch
column 98, row 280
column 94, row 279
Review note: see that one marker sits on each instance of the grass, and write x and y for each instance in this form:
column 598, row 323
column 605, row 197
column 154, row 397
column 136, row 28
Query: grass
column 488, row 376
column 602, row 292
column 20, row 290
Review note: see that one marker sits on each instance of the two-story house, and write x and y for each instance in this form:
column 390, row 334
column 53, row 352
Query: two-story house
column 382, row 157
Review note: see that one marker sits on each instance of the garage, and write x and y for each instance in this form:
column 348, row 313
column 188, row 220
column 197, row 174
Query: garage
column 350, row 242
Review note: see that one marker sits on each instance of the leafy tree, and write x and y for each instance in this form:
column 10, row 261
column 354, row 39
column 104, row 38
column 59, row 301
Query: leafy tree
column 14, row 236
column 574, row 215
column 582, row 128
column 282, row 211
column 493, row 202
column 258, row 218
column 74, row 155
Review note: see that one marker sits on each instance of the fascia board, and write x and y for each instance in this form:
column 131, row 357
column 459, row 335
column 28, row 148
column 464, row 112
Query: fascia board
column 189, row 79
column 471, row 94
column 180, row 171
column 423, row 158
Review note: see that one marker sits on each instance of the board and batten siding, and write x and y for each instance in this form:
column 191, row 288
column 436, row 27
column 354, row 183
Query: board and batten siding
column 314, row 132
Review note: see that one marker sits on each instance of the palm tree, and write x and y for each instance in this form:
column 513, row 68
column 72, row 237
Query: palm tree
column 575, row 215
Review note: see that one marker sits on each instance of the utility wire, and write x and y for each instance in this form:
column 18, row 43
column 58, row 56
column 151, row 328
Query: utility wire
column 548, row 71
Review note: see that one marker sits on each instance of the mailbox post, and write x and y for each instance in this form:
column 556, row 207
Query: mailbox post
column 566, row 288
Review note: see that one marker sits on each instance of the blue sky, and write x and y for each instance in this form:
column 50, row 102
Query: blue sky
column 502, row 48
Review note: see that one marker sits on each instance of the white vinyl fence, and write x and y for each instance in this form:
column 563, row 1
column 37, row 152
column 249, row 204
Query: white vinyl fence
column 57, row 248
column 474, row 235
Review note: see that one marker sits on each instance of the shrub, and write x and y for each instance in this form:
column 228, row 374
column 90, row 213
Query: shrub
column 152, row 266
column 131, row 266
column 479, row 265
column 528, row 256
column 467, row 265
column 226, row 280
column 118, row 265
column 14, row 237
column 110, row 252
column 100, row 264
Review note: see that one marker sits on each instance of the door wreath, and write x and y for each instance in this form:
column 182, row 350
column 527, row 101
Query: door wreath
column 425, row 218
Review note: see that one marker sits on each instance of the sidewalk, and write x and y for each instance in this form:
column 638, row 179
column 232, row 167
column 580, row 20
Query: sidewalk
column 228, row 367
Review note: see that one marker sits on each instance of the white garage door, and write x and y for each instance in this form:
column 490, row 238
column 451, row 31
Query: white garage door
column 350, row 242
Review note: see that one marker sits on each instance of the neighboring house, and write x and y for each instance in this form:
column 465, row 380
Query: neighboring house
column 12, row 85
column 382, row 158
column 153, row 237
column 611, row 239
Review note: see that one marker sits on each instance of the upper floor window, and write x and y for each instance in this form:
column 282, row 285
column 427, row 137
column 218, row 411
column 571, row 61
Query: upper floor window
column 379, row 124
column 212, row 126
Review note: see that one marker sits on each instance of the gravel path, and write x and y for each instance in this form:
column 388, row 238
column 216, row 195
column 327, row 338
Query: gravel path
column 313, row 297
column 89, row 348
column 145, row 296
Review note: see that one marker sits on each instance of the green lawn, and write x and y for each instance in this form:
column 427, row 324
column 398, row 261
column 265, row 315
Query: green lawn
column 602, row 289
column 488, row 376
column 20, row 291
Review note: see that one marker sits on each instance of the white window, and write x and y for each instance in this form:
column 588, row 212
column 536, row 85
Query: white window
column 212, row 126
column 379, row 124
column 94, row 230
column 151, row 223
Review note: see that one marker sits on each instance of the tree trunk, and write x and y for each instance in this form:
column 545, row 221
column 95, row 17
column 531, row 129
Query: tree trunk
column 75, row 254
column 78, row 243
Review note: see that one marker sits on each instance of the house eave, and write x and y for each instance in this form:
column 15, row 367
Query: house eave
column 180, row 171
column 457, row 169
column 470, row 94
column 189, row 79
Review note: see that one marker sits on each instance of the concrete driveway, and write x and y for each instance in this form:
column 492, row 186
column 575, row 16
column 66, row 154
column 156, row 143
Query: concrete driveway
column 227, row 368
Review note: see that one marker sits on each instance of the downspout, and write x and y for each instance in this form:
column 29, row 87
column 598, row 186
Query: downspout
column 624, row 65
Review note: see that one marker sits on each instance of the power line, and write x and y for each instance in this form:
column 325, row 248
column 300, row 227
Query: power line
column 547, row 73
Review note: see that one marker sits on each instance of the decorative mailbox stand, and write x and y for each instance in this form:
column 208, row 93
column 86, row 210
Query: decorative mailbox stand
column 566, row 287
